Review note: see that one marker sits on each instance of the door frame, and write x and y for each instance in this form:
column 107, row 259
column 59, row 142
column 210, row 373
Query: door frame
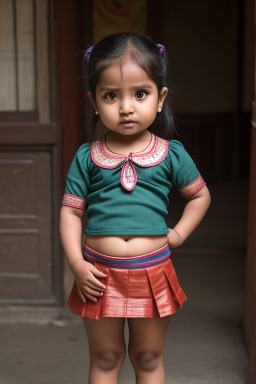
column 250, row 298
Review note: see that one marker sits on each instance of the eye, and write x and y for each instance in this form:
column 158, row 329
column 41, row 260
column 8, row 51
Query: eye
column 111, row 96
column 141, row 94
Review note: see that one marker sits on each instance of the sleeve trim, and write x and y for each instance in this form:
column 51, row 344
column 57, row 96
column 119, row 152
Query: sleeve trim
column 193, row 187
column 74, row 201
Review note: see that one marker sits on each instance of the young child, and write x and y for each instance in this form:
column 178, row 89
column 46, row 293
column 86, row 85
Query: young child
column 123, row 181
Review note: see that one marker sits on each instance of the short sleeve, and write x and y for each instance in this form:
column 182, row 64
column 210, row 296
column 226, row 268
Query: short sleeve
column 184, row 173
column 78, row 179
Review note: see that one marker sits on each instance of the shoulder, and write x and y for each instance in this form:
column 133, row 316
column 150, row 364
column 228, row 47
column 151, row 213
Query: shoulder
column 82, row 158
column 83, row 153
column 175, row 146
column 177, row 151
column 83, row 150
column 179, row 158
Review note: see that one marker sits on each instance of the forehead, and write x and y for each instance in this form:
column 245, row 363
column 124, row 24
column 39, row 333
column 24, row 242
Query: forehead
column 123, row 71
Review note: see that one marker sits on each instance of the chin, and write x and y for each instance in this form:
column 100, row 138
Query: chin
column 126, row 132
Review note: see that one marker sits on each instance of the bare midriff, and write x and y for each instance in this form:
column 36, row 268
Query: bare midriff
column 125, row 246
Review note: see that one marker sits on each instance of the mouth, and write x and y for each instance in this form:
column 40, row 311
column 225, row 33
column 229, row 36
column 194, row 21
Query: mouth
column 128, row 123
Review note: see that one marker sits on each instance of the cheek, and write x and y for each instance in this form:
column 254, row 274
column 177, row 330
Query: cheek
column 152, row 103
column 150, row 109
column 108, row 115
column 108, row 110
column 151, row 115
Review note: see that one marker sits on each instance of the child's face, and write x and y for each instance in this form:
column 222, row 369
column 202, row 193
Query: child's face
column 126, row 98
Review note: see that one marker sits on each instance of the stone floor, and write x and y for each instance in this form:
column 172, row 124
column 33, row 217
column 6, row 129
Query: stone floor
column 205, row 343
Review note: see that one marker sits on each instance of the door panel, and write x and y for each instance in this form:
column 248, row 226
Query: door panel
column 26, row 226
column 30, row 259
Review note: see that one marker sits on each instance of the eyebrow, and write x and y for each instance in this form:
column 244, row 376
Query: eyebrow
column 143, row 86
column 139, row 86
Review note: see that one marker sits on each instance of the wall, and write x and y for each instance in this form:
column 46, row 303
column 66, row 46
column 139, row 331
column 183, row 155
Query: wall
column 201, row 37
column 210, row 45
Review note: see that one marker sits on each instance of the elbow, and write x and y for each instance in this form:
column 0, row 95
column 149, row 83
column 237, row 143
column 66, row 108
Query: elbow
column 208, row 198
column 66, row 210
column 62, row 212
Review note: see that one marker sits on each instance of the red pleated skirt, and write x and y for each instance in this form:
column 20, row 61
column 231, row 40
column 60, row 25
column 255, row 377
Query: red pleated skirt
column 144, row 286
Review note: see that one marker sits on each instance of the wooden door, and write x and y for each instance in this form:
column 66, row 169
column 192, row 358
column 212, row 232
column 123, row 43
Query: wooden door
column 30, row 267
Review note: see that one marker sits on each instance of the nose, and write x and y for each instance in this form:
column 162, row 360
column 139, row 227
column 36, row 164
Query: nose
column 126, row 107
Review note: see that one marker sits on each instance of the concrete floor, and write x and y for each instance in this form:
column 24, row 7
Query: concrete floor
column 205, row 339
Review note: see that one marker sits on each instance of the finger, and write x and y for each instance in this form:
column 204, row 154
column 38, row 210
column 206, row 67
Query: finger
column 91, row 285
column 91, row 297
column 80, row 293
column 98, row 273
column 96, row 282
column 92, row 291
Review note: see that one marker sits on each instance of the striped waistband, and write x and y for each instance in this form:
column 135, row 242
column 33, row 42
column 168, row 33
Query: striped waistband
column 135, row 262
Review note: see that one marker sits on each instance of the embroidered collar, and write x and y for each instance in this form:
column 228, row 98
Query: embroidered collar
column 128, row 175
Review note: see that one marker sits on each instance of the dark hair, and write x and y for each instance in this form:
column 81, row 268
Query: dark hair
column 147, row 55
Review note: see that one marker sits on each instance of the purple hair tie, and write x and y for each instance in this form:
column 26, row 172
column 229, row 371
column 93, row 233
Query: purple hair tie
column 90, row 49
column 161, row 48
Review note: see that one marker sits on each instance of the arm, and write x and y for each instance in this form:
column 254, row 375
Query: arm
column 84, row 272
column 193, row 214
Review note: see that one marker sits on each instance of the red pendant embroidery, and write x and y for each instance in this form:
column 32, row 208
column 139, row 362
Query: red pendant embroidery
column 128, row 174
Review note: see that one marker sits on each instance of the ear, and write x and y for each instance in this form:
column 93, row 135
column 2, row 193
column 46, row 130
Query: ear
column 92, row 100
column 162, row 96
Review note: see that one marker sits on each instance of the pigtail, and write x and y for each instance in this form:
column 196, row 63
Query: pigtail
column 86, row 66
column 88, row 77
column 164, row 124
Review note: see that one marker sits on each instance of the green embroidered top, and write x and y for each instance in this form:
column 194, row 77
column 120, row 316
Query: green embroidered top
column 128, row 195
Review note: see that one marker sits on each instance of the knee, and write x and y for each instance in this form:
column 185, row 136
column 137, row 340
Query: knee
column 145, row 361
column 108, row 360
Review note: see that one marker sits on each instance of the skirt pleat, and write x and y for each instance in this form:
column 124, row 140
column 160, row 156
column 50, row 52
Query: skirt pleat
column 143, row 293
column 177, row 292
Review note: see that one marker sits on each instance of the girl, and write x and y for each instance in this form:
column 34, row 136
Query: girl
column 123, row 181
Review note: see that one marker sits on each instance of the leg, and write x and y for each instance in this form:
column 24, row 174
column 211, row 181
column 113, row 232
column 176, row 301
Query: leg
column 107, row 349
column 146, row 348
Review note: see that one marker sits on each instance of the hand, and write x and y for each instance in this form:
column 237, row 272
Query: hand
column 174, row 240
column 87, row 284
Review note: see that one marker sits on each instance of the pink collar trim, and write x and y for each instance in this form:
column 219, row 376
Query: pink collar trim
column 153, row 157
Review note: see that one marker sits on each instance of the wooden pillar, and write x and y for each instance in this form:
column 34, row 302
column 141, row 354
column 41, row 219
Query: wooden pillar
column 250, row 305
column 250, row 310
column 73, row 21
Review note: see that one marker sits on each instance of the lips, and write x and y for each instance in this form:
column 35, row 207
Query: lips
column 128, row 122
